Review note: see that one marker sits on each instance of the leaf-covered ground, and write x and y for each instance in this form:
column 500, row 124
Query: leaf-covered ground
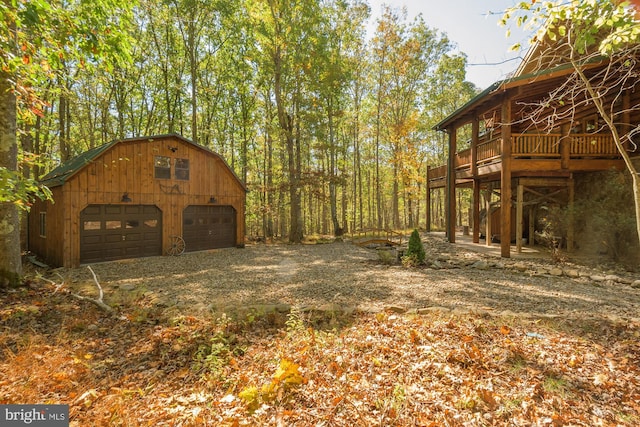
column 141, row 367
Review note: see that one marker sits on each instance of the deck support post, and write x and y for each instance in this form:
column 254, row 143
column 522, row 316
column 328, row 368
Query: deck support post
column 532, row 226
column 487, row 222
column 428, row 203
column 505, row 181
column 565, row 146
column 570, row 230
column 475, row 136
column 451, row 186
column 519, row 205
column 476, row 211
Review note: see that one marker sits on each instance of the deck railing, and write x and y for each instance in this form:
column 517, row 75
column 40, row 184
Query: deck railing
column 437, row 173
column 540, row 146
column 546, row 145
column 490, row 150
column 594, row 145
column 463, row 159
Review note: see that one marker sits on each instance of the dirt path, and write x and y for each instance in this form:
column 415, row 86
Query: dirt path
column 346, row 275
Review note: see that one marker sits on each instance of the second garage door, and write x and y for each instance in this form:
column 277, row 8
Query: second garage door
column 209, row 227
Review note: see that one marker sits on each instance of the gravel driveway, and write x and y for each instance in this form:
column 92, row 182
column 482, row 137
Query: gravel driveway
column 346, row 275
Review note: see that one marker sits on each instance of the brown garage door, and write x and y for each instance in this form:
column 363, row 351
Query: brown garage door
column 109, row 232
column 209, row 227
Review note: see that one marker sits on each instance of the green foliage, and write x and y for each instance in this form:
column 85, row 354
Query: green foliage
column 211, row 358
column 16, row 188
column 594, row 26
column 415, row 252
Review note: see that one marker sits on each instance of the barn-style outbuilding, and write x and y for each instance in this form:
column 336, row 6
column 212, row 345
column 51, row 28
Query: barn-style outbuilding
column 135, row 198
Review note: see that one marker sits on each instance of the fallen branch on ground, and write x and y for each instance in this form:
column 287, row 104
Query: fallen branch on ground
column 99, row 301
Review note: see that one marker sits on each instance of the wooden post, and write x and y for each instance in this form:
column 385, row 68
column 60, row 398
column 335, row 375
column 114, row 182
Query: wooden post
column 487, row 223
column 451, row 187
column 532, row 226
column 505, row 181
column 626, row 125
column 570, row 231
column 428, row 203
column 519, row 203
column 565, row 146
column 475, row 136
column 476, row 211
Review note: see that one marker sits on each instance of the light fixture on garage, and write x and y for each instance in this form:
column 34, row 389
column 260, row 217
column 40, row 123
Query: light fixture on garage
column 212, row 199
column 173, row 149
column 125, row 198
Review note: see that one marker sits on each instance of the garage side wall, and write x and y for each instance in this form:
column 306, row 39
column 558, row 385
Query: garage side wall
column 128, row 172
column 46, row 228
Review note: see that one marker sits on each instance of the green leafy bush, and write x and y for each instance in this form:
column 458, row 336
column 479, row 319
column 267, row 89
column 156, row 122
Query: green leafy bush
column 415, row 252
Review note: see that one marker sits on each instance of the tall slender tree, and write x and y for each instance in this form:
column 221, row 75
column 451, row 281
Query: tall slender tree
column 29, row 52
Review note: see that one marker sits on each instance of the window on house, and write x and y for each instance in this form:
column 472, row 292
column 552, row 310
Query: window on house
column 182, row 169
column 43, row 224
column 591, row 125
column 162, row 167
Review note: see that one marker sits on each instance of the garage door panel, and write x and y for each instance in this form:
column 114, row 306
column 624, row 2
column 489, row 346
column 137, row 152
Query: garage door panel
column 111, row 232
column 133, row 237
column 92, row 239
column 113, row 209
column 111, row 238
column 209, row 227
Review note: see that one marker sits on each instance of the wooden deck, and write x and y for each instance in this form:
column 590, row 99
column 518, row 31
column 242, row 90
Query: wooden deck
column 546, row 154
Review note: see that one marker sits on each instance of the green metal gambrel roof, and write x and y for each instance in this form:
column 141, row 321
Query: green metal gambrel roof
column 66, row 170
column 60, row 174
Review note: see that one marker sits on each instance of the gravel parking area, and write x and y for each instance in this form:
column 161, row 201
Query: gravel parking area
column 345, row 275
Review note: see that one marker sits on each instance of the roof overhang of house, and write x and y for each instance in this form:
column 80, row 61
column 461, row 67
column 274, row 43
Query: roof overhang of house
column 494, row 94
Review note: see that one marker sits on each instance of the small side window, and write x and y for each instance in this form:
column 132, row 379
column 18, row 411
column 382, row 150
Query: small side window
column 43, row 224
column 162, row 167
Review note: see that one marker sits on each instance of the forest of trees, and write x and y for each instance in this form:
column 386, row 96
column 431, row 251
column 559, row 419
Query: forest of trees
column 326, row 116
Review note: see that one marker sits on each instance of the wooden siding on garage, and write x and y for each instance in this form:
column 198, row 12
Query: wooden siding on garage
column 49, row 246
column 128, row 168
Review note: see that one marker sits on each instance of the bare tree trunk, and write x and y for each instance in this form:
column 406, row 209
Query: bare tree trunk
column 395, row 202
column 63, row 115
column 333, row 196
column 10, row 259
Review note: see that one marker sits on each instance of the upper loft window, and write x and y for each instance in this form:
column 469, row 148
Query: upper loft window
column 162, row 167
column 182, row 169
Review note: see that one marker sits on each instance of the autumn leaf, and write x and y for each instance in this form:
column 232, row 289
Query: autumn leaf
column 288, row 373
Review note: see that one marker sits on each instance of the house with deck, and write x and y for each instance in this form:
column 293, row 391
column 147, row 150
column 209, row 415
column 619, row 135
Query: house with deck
column 528, row 146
